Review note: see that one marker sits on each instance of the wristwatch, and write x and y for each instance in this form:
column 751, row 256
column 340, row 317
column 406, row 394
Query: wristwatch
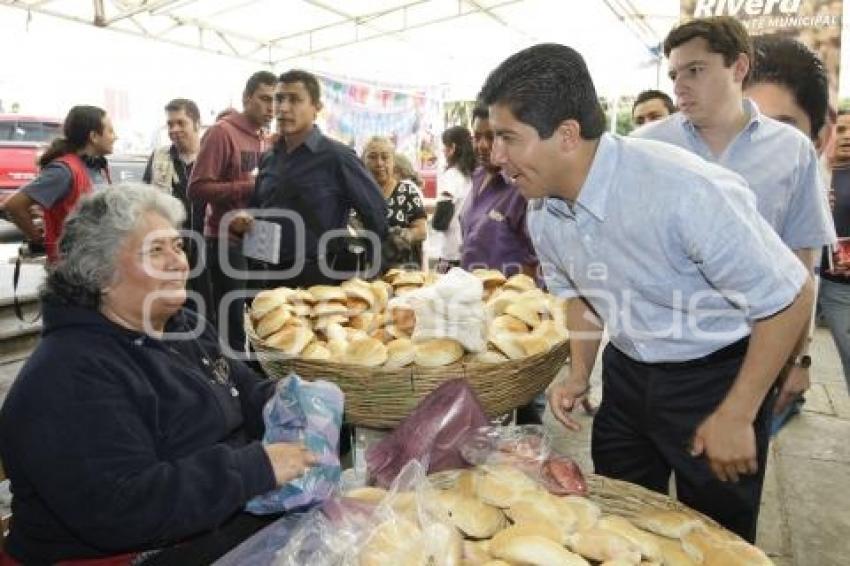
column 803, row 362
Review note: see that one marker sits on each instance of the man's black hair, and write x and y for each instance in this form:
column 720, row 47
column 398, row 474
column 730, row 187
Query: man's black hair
column 309, row 80
column 788, row 63
column 652, row 95
column 257, row 79
column 545, row 85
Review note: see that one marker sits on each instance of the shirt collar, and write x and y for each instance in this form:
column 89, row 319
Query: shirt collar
column 593, row 195
column 313, row 141
column 755, row 118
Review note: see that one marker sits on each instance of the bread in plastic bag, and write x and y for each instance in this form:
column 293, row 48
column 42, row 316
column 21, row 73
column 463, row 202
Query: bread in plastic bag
column 527, row 448
column 450, row 308
column 308, row 412
column 432, row 434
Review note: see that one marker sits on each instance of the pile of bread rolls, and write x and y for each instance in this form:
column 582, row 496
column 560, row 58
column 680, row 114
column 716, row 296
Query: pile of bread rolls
column 495, row 515
column 352, row 324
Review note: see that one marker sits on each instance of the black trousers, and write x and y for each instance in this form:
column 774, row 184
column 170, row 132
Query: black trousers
column 230, row 327
column 645, row 424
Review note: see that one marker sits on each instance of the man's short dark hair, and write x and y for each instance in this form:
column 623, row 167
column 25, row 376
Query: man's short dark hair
column 544, row 85
column 652, row 95
column 309, row 80
column 257, row 79
column 186, row 105
column 480, row 112
column 787, row 62
column 724, row 34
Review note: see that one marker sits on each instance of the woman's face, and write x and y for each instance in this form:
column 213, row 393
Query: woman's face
column 151, row 272
column 380, row 161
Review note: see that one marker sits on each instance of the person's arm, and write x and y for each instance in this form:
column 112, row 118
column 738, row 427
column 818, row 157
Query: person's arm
column 727, row 437
column 17, row 208
column 797, row 379
column 206, row 185
column 364, row 195
column 585, row 332
column 518, row 219
column 418, row 225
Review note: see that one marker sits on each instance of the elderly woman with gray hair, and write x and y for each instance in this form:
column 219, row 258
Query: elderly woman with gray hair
column 128, row 437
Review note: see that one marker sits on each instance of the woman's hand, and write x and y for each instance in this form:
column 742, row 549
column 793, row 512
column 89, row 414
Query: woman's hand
column 289, row 460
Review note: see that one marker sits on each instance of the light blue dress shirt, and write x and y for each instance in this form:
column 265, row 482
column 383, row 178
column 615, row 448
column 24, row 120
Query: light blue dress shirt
column 779, row 164
column 668, row 249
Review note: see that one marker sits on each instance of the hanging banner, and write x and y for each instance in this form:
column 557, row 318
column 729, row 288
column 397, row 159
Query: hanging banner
column 353, row 112
column 815, row 23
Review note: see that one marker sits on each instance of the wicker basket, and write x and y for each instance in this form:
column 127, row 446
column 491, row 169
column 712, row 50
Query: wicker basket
column 376, row 397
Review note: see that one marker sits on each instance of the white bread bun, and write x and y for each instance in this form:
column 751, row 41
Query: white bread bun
column 395, row 541
column 404, row 319
column 502, row 485
column 672, row 552
column 327, row 308
column 520, row 282
column 267, row 300
column 671, row 524
column 736, row 553
column 473, row 517
column 316, row 350
column 291, row 340
column 395, row 332
column 356, row 305
column 643, row 540
column 544, row 529
column 302, row 296
column 383, row 335
column 408, row 278
column 507, row 344
column 337, row 349
column 531, row 344
column 552, row 332
column 526, row 311
column 335, row 331
column 367, row 494
column 701, row 538
column 542, row 507
column 489, row 357
column 366, row 321
column 352, row 334
column 439, row 352
column 301, row 309
column 508, row 323
column 272, row 321
column 382, row 292
column 405, row 289
column 536, row 550
column 367, row 352
column 322, row 322
column 587, row 513
column 477, row 552
column 443, row 544
column 327, row 293
column 400, row 352
column 601, row 545
column 490, row 278
column 391, row 274
column 499, row 301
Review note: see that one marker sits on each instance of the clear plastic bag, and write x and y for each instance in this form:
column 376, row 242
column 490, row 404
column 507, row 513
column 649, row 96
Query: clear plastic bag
column 432, row 434
column 308, row 412
column 527, row 448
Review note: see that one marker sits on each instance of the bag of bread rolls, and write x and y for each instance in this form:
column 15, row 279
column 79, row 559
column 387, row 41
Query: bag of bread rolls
column 451, row 308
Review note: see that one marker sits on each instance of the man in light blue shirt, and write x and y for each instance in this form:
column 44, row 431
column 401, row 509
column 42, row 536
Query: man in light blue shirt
column 711, row 62
column 702, row 300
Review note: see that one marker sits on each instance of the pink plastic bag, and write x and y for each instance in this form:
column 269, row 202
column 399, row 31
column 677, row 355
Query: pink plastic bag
column 432, row 434
column 526, row 448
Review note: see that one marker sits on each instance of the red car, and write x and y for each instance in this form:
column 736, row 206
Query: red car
column 22, row 139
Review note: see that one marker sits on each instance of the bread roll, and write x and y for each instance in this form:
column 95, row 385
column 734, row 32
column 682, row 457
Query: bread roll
column 403, row 318
column 476, row 552
column 291, row 340
column 508, row 323
column 540, row 528
column 367, row 321
column 671, row 524
column 335, row 331
column 699, row 539
column 601, row 545
column 316, row 351
column 536, row 550
column 552, row 332
column 532, row 345
column 382, row 292
column 736, row 553
column 395, row 541
column 326, row 308
column 443, row 545
column 489, row 357
column 469, row 514
column 391, row 274
column 272, row 321
column 439, row 352
column 586, row 511
column 499, row 301
column 267, row 300
column 540, row 507
column 643, row 540
column 337, row 349
column 365, row 352
column 490, row 278
column 524, row 311
column 302, row 296
column 672, row 552
column 327, row 293
column 322, row 322
column 408, row 278
column 400, row 352
column 356, row 305
column 507, row 344
column 368, row 494
column 405, row 289
column 301, row 309
column 503, row 485
column 520, row 282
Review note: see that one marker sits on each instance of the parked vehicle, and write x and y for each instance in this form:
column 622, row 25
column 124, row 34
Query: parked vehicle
column 22, row 139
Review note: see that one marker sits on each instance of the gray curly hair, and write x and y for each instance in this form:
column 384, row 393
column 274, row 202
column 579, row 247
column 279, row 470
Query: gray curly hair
column 93, row 234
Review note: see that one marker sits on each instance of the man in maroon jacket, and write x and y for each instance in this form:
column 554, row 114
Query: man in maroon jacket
column 223, row 180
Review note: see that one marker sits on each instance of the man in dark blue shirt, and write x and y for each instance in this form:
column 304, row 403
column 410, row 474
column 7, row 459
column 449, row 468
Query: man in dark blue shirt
column 321, row 181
